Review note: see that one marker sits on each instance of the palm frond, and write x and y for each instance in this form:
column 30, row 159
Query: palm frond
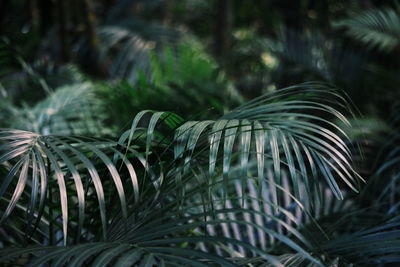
column 126, row 47
column 160, row 234
column 67, row 172
column 280, row 145
column 184, row 77
column 316, row 56
column 18, row 74
column 376, row 245
column 385, row 183
column 280, row 134
column 376, row 28
column 53, row 114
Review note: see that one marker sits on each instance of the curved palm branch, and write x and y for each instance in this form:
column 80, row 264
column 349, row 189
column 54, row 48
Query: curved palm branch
column 280, row 133
column 53, row 114
column 63, row 165
column 384, row 185
column 159, row 234
column 17, row 73
column 378, row 28
column 126, row 47
column 372, row 246
column 318, row 56
column 280, row 140
column 376, row 245
column 172, row 243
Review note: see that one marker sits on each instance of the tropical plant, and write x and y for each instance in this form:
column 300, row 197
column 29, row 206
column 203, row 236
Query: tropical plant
column 377, row 28
column 182, row 79
column 126, row 46
column 187, row 193
column 211, row 171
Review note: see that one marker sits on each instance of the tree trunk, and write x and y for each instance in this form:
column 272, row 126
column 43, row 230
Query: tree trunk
column 90, row 24
column 46, row 18
column 63, row 34
column 35, row 17
column 136, row 8
column 93, row 64
column 3, row 8
column 223, row 29
column 293, row 15
column 168, row 5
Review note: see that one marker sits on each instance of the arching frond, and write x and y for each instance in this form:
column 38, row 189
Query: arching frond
column 71, row 109
column 376, row 245
column 66, row 172
column 279, row 133
column 181, row 79
column 126, row 46
column 18, row 78
column 316, row 56
column 176, row 184
column 160, row 235
column 378, row 28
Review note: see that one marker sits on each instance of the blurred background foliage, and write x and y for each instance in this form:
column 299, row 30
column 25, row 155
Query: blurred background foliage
column 89, row 67
column 249, row 47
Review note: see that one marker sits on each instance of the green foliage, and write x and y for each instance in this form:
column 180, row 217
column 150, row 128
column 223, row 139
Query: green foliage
column 127, row 47
column 195, row 184
column 53, row 114
column 18, row 74
column 212, row 171
column 376, row 28
column 314, row 56
column 183, row 80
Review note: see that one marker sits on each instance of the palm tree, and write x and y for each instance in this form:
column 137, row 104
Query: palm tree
column 273, row 181
column 257, row 186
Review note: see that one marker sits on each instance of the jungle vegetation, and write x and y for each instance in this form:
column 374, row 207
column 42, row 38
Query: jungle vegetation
column 199, row 133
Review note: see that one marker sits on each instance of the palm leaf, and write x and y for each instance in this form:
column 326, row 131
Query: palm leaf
column 312, row 55
column 377, row 28
column 376, row 245
column 159, row 233
column 126, row 46
column 53, row 114
column 69, row 165
column 280, row 144
column 283, row 132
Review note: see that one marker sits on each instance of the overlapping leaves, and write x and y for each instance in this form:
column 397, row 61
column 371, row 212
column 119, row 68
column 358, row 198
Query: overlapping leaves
column 170, row 185
column 278, row 133
column 375, row 27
